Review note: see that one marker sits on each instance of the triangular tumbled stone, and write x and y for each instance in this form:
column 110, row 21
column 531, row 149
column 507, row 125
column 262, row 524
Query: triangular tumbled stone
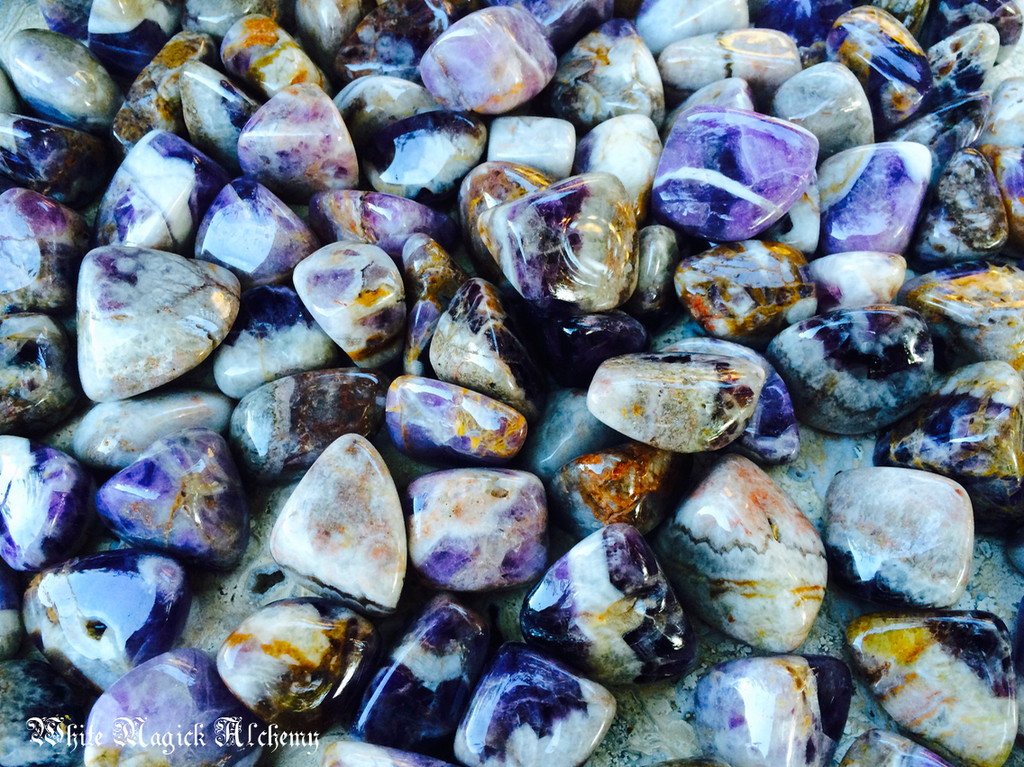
column 146, row 317
column 343, row 527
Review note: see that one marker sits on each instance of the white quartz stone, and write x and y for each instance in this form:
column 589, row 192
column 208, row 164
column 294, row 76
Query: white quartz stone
column 545, row 143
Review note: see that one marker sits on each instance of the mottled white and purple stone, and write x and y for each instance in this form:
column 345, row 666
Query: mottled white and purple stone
column 259, row 50
column 146, row 317
column 1008, row 164
column 547, row 144
column 564, row 21
column 180, row 688
column 431, row 279
column 11, row 629
column 354, row 550
column 126, row 36
column 36, row 373
column 298, row 145
column 158, row 195
column 628, row 147
column 531, row 711
column 807, row 21
column 857, row 278
column 69, row 17
column 183, row 496
column 881, row 748
column 249, row 230
column 491, row 61
column 214, row 110
column 800, row 227
column 661, row 22
column 477, row 529
column 948, row 16
column 607, row 609
column 1005, row 123
column 98, row 616
column 418, row 696
column 947, row 130
column 350, row 753
column 45, row 513
column 372, row 102
column 960, row 62
column 728, row 174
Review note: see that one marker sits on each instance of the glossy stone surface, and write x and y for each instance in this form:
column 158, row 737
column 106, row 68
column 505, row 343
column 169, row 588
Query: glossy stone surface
column 871, row 195
column 356, row 295
column 565, row 430
column 380, row 219
column 628, row 147
column 529, row 711
column 260, row 52
column 574, row 346
column 960, row 62
column 61, row 79
column 249, row 230
column 431, row 278
column 744, row 558
column 1005, row 123
column 808, row 22
column 476, row 346
column 323, row 25
column 436, row 421
column 145, row 317
column 828, row 100
column 968, row 430
column 857, row 278
column 606, row 608
column 30, row 693
column 573, row 242
column 786, row 710
column 113, row 434
column 273, row 336
column 41, row 243
column 158, row 195
column 96, row 617
column 355, row 551
column 961, row 658
column 425, row 156
column 948, row 16
column 183, row 496
column 564, row 21
column 296, row 662
column 899, row 536
column 545, row 144
column 69, row 17
column 684, row 402
column 65, row 164
column 37, row 387
column 126, row 36
column 888, row 61
column 881, row 748
column 1008, row 165
column 281, row 428
column 372, row 102
column 215, row 17
column 948, row 129
column 419, row 694
column 800, row 227
column 11, row 629
column 732, row 92
column 657, row 258
column 45, row 514
column 181, row 686
column 661, row 22
column 492, row 61
column 728, row 174
column 214, row 110
column 350, row 753
column 477, row 529
column 154, row 99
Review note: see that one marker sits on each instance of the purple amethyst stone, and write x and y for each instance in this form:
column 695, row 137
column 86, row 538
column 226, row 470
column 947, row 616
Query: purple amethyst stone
column 808, row 22
column 576, row 345
column 565, row 21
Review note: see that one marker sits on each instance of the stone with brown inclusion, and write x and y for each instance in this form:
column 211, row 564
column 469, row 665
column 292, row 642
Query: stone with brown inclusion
column 257, row 49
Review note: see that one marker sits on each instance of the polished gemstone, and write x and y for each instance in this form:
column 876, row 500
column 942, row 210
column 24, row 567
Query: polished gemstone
column 257, row 49
column 323, row 25
column 857, row 278
column 657, row 258
column 126, row 36
column 565, row 430
column 960, row 62
column 575, row 345
column 564, row 21
column 948, row 129
column 350, row 753
column 215, row 17
column 881, row 748
column 546, row 144
column 372, row 102
column 1008, row 165
column 661, row 22
column 808, row 22
column 431, row 278
column 214, row 110
column 628, row 147
column 1005, row 123
column 37, row 388
column 68, row 17
column 948, row 16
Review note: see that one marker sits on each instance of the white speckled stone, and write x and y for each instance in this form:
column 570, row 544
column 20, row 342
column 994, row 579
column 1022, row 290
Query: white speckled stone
column 545, row 143
column 857, row 278
column 1005, row 124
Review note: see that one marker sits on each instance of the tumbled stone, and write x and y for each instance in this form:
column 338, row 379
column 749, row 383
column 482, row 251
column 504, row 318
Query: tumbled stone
column 249, row 230
column 476, row 346
column 606, row 608
column 1005, row 123
column 356, row 295
column 787, row 711
column 215, row 17
column 545, row 144
column 180, row 687
column 947, row 130
column 765, row 58
column 565, row 430
column 828, row 100
column 899, row 536
column 808, row 22
column 351, row 753
column 728, row 174
column 378, row 219
column 800, row 226
column 683, row 402
column 182, row 496
column 912, row 660
column 661, row 22
column 257, row 49
column 63, row 163
column 417, row 697
column 11, row 629
column 273, row 336
column 356, row 550
column 282, row 427
column 45, row 514
column 214, row 110
column 526, row 699
column 393, row 160
column 41, row 244
column 575, row 345
column 857, row 278
column 948, row 16
column 881, row 748
column 36, row 373
column 146, row 317
column 477, row 529
column 436, row 421
column 96, row 617
column 296, row 662
column 1008, row 165
column 111, row 435
column 629, row 148
column 965, row 219
column 657, row 258
column 323, row 25
column 61, row 79
column 298, row 145
column 158, row 195
column 126, row 36
column 609, row 72
column 970, row 429
column 431, row 278
column 564, row 21
column 888, row 61
column 744, row 558
column 871, row 195
column 492, row 61
column 33, row 699
column 69, row 17
column 370, row 103
column 960, row 62
column 731, row 92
